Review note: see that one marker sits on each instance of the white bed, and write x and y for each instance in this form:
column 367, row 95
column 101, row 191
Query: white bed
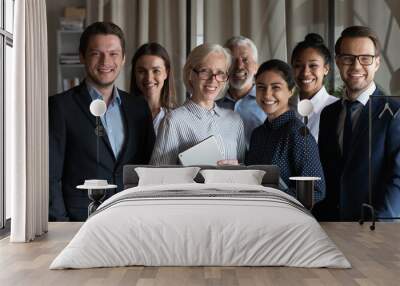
column 201, row 224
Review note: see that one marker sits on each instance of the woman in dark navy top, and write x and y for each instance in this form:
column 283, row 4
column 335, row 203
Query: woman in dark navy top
column 279, row 141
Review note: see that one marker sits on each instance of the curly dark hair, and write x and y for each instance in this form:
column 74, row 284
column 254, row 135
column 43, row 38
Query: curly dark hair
column 314, row 41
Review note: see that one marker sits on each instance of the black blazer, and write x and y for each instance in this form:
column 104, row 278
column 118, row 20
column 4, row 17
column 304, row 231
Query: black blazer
column 347, row 182
column 72, row 145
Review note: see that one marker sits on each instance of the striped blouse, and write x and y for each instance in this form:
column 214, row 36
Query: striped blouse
column 158, row 119
column 189, row 124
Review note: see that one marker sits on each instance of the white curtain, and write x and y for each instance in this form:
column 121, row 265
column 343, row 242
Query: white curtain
column 27, row 124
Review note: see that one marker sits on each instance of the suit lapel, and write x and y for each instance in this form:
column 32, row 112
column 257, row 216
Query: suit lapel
column 83, row 99
column 362, row 125
column 335, row 113
column 124, row 113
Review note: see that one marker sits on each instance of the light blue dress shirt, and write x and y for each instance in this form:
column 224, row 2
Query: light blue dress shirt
column 112, row 119
column 248, row 109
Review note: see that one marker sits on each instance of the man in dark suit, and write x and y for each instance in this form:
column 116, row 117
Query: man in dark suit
column 129, row 134
column 344, row 136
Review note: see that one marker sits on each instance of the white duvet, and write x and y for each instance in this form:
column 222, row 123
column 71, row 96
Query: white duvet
column 183, row 230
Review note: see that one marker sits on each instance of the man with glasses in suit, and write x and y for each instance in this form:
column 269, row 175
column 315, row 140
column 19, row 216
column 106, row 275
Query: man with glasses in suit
column 344, row 136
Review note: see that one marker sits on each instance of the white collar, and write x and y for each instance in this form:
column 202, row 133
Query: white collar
column 318, row 100
column 364, row 96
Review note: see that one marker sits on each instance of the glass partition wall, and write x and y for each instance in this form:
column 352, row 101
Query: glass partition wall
column 384, row 142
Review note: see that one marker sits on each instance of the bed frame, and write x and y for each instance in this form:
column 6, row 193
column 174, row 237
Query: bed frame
column 270, row 179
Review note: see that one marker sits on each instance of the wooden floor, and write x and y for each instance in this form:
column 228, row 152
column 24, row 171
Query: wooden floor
column 374, row 255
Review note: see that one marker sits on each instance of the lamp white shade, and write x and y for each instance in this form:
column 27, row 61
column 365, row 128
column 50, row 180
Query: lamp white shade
column 305, row 107
column 98, row 107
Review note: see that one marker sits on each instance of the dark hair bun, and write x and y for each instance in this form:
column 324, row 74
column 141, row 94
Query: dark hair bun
column 314, row 38
column 314, row 41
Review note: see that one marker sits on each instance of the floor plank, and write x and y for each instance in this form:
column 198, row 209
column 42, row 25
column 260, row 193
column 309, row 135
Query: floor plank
column 374, row 255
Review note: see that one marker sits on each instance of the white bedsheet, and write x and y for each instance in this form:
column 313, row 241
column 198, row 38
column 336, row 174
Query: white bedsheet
column 186, row 230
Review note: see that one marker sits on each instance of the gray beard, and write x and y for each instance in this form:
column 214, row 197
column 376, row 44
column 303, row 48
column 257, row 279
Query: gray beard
column 239, row 85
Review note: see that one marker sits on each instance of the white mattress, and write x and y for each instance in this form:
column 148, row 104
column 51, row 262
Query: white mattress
column 184, row 230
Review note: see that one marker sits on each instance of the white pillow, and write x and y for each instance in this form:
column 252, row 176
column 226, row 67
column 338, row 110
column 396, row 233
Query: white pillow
column 248, row 177
column 166, row 176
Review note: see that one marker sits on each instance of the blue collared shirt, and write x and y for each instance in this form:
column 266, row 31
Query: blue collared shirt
column 112, row 119
column 248, row 109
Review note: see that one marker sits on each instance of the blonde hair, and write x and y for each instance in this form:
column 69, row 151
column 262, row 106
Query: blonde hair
column 197, row 55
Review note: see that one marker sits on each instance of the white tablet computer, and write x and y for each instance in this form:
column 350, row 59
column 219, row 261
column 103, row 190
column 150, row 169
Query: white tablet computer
column 204, row 153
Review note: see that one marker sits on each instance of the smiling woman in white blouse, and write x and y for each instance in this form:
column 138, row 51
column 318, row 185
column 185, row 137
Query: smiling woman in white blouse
column 205, row 75
column 311, row 62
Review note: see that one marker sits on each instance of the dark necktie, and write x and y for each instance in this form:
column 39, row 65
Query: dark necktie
column 351, row 106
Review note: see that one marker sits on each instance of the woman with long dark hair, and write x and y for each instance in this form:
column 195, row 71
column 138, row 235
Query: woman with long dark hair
column 152, row 78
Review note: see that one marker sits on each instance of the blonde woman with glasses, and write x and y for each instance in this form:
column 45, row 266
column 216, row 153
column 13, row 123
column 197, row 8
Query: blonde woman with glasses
column 205, row 75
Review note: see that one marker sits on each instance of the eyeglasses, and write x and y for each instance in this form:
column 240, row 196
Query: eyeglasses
column 208, row 74
column 365, row 60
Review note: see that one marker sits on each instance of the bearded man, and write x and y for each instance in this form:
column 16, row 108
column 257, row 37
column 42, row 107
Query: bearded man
column 241, row 94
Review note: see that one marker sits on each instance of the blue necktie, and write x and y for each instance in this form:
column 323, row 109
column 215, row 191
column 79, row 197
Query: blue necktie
column 351, row 106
